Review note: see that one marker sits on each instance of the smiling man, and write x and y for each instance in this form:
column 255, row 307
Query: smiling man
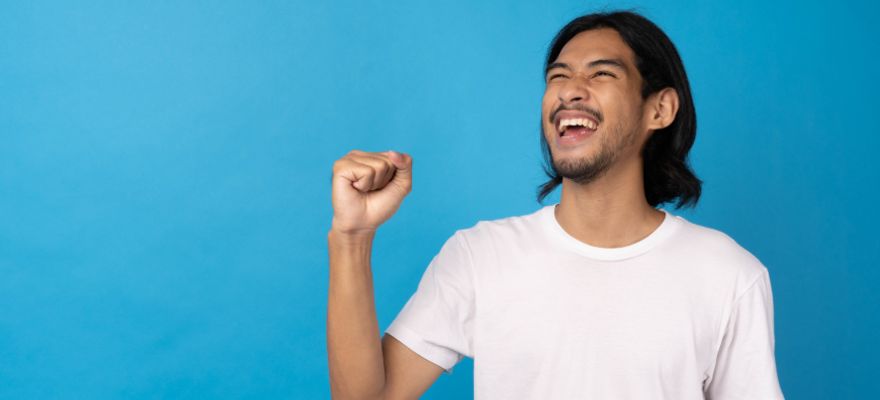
column 602, row 296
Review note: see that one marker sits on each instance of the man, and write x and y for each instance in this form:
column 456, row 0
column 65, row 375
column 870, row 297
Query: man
column 602, row 296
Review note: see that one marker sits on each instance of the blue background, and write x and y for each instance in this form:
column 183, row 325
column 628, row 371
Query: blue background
column 165, row 176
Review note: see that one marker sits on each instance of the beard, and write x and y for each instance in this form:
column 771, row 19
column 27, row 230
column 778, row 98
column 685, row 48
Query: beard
column 585, row 169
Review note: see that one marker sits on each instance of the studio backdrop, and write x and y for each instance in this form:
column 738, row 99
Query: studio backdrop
column 165, row 176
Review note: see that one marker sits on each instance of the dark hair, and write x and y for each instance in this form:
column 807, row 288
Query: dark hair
column 666, row 172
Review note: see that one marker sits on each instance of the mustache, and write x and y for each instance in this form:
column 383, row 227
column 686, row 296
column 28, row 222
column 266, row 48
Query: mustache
column 578, row 107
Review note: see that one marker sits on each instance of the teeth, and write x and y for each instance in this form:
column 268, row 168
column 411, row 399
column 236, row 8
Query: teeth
column 588, row 123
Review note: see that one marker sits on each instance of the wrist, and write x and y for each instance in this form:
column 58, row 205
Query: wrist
column 350, row 230
column 351, row 236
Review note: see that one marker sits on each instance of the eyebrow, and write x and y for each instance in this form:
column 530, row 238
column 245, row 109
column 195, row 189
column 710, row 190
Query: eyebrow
column 611, row 62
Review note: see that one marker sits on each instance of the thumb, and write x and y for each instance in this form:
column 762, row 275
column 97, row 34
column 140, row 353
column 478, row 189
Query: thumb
column 403, row 163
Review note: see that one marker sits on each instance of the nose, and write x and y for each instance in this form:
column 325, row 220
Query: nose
column 573, row 90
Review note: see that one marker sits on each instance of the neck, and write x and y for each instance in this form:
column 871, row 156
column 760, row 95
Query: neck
column 611, row 211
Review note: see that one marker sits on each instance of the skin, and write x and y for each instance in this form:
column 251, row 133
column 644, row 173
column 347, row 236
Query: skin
column 367, row 189
column 603, row 200
column 602, row 204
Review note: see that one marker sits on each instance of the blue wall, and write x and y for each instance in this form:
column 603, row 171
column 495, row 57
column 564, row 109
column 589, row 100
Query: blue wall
column 164, row 176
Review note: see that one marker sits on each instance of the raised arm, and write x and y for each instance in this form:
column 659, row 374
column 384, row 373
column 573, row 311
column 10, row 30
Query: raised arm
column 367, row 189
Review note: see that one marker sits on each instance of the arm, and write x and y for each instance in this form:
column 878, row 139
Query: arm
column 745, row 366
column 367, row 190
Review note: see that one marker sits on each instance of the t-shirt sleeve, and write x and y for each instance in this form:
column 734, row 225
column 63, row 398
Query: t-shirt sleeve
column 437, row 321
column 745, row 367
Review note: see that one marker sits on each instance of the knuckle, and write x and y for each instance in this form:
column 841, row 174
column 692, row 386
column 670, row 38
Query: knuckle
column 375, row 164
column 342, row 164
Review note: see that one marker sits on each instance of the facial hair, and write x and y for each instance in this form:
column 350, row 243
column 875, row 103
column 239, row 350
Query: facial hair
column 584, row 170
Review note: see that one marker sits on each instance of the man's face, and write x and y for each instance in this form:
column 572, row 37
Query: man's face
column 592, row 106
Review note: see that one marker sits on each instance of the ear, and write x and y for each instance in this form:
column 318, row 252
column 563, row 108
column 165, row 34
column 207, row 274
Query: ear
column 661, row 109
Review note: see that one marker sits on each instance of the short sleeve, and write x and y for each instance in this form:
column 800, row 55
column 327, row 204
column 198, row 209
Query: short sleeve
column 745, row 367
column 437, row 321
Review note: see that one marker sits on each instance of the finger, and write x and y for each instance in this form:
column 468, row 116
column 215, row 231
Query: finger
column 403, row 164
column 400, row 160
column 384, row 168
column 383, row 157
column 359, row 175
column 388, row 166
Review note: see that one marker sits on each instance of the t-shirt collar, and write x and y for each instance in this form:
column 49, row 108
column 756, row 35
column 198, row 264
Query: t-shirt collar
column 669, row 224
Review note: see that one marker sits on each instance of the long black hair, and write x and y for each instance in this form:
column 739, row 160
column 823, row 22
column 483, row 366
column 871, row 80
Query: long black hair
column 666, row 171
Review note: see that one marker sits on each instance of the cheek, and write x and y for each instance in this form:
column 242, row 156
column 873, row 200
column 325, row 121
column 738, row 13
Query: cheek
column 546, row 107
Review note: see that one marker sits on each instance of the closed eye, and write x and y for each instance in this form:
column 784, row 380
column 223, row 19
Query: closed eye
column 551, row 77
column 605, row 73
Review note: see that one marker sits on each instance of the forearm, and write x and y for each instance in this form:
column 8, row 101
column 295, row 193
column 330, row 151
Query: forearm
column 354, row 345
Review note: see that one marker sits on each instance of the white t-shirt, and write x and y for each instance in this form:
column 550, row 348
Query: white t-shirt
column 685, row 313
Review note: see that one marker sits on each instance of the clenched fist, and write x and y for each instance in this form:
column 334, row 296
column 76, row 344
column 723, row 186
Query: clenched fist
column 368, row 189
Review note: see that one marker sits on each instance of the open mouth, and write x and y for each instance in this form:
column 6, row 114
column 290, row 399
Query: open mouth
column 575, row 126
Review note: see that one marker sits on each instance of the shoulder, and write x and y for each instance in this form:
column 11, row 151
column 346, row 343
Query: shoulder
column 485, row 239
column 717, row 252
column 507, row 229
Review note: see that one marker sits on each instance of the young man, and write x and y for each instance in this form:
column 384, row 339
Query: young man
column 602, row 296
